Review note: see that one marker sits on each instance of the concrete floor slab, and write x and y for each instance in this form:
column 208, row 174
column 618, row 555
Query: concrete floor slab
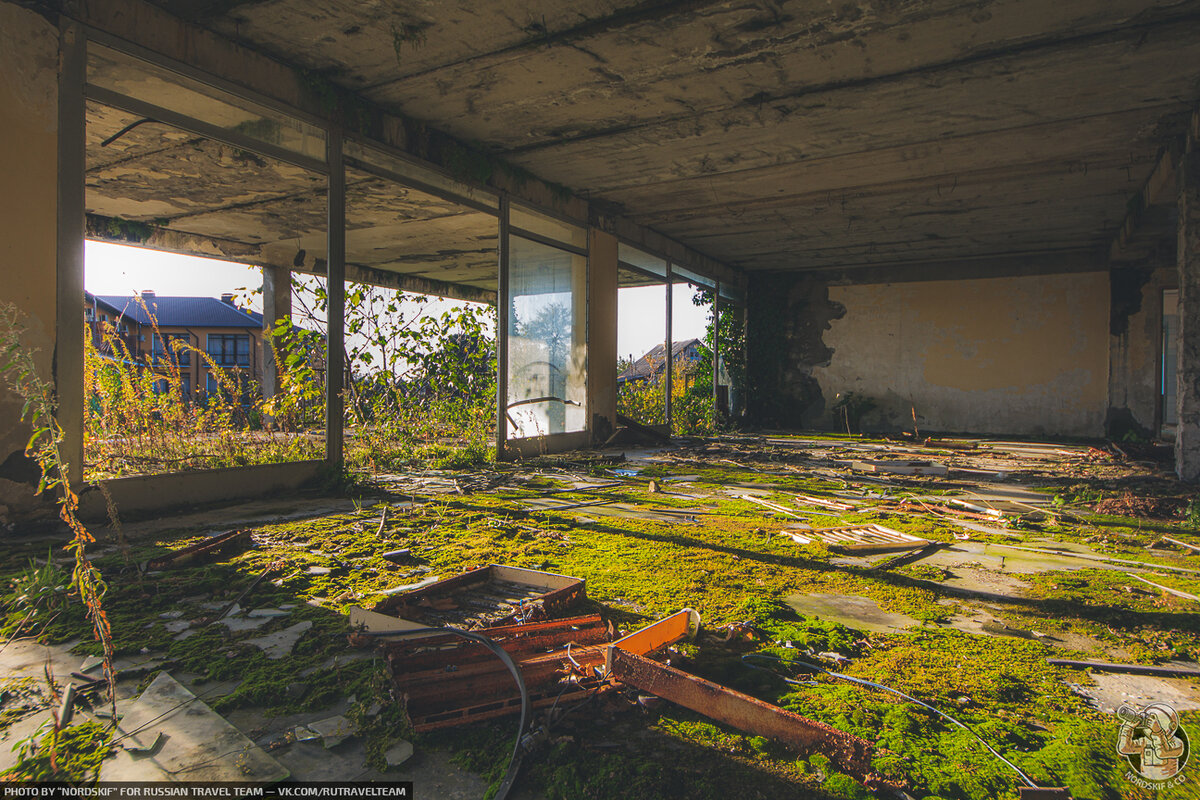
column 280, row 643
column 1109, row 691
column 853, row 611
column 197, row 743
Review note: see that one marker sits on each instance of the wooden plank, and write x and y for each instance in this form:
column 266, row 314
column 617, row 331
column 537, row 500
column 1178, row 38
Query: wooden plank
column 900, row 467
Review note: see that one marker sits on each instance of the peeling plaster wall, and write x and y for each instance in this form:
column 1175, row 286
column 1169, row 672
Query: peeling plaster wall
column 28, row 222
column 1017, row 355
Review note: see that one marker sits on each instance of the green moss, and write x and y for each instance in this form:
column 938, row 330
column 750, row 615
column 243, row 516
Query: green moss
column 72, row 755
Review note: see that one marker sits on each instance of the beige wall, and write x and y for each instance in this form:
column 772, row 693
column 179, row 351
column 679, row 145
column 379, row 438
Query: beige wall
column 28, row 221
column 994, row 355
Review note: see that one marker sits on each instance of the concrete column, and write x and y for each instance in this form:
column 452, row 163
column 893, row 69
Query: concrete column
column 1187, row 435
column 277, row 304
column 29, row 59
column 1135, row 334
column 335, row 286
column 602, row 334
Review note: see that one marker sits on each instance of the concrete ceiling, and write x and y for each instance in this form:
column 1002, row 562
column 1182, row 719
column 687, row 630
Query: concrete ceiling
column 215, row 199
column 783, row 135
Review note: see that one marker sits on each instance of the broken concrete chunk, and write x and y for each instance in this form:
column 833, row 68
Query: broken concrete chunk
column 397, row 555
column 279, row 644
column 239, row 624
column 303, row 733
column 333, row 730
column 267, row 613
column 398, row 753
column 319, row 570
column 90, row 663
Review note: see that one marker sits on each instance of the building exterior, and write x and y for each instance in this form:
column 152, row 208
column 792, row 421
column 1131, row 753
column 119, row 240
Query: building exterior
column 650, row 366
column 172, row 332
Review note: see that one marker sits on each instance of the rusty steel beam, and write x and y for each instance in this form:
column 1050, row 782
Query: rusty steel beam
column 849, row 753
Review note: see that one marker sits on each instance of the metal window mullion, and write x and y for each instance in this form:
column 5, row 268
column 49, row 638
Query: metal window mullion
column 335, row 291
column 502, row 322
column 670, row 359
column 716, row 347
column 214, row 132
column 69, row 261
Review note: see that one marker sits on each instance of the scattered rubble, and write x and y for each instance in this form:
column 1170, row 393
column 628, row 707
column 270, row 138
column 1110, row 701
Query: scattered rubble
column 954, row 587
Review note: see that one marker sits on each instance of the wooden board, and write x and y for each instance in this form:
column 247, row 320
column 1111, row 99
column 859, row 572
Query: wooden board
column 900, row 467
column 860, row 539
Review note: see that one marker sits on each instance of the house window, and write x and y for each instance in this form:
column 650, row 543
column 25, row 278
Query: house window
column 166, row 350
column 229, row 349
column 185, row 386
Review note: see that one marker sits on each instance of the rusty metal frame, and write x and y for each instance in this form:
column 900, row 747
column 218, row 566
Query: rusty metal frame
column 562, row 591
column 849, row 753
column 450, row 682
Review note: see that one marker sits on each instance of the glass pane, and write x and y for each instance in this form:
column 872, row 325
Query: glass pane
column 141, row 80
column 404, row 168
column 529, row 220
column 641, row 349
column 642, row 260
column 547, row 352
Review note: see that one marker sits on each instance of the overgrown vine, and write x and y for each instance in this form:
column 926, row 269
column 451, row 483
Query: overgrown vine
column 45, row 447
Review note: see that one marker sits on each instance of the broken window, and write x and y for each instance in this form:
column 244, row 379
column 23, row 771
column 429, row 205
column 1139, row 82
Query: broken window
column 642, row 362
column 422, row 266
column 547, row 350
column 180, row 369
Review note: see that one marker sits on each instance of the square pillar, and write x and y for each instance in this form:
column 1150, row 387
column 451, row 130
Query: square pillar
column 602, row 334
column 29, row 240
column 1187, row 432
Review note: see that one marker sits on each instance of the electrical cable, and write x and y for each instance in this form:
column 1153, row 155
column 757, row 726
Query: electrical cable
column 126, row 130
column 862, row 681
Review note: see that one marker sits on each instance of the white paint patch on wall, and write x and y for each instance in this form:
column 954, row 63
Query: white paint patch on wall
column 1025, row 355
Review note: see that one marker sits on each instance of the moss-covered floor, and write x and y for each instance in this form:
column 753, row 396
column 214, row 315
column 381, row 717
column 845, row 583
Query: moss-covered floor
column 983, row 617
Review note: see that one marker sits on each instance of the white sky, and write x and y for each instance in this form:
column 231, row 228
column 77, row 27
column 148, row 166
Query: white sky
column 121, row 270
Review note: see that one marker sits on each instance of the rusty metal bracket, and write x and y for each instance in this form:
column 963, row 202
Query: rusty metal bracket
column 849, row 753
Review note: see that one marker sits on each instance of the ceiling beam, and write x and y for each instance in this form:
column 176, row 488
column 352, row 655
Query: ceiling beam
column 1148, row 227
